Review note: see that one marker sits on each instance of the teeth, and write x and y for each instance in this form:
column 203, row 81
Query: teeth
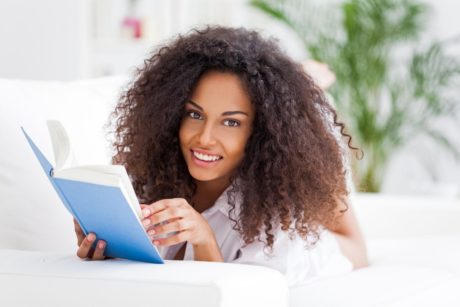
column 204, row 157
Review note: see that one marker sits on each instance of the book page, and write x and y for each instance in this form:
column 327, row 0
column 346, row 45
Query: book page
column 63, row 154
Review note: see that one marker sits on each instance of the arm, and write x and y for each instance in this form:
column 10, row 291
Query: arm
column 350, row 237
column 208, row 251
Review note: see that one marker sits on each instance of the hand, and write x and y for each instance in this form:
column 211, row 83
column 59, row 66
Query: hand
column 183, row 223
column 320, row 72
column 85, row 245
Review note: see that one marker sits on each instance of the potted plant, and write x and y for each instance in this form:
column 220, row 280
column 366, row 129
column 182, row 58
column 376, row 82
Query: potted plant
column 390, row 86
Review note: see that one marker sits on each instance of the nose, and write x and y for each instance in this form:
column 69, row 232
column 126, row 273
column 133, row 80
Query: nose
column 206, row 135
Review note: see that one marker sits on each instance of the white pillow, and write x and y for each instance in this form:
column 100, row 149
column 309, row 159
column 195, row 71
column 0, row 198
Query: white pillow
column 31, row 215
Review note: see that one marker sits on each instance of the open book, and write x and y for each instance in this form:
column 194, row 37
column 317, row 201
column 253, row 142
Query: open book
column 100, row 197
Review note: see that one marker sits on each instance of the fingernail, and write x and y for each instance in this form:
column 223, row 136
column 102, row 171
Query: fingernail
column 151, row 232
column 146, row 222
column 101, row 244
column 91, row 237
column 146, row 212
column 156, row 242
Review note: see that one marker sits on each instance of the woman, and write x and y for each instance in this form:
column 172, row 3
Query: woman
column 235, row 154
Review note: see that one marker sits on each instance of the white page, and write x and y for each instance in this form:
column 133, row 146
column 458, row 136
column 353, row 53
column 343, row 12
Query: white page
column 62, row 148
column 109, row 175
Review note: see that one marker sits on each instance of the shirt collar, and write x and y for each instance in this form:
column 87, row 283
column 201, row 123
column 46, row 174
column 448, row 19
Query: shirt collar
column 222, row 205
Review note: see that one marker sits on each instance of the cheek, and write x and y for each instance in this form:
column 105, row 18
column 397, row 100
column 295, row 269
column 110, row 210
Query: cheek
column 235, row 146
column 184, row 134
column 181, row 136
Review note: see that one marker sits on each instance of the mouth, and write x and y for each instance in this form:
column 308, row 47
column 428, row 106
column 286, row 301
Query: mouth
column 203, row 159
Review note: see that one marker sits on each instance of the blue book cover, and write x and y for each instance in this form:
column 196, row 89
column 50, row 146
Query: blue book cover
column 105, row 211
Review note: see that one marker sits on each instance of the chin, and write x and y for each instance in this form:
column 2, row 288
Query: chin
column 201, row 176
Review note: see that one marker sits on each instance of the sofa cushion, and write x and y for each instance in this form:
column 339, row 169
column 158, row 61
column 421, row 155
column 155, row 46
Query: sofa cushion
column 59, row 279
column 403, row 272
column 436, row 252
column 391, row 285
column 402, row 216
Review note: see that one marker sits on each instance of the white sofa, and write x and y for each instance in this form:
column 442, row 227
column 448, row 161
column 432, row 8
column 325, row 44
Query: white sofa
column 414, row 242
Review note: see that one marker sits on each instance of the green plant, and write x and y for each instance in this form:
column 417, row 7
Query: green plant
column 390, row 86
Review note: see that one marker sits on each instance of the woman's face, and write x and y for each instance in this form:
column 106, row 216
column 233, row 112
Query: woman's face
column 216, row 125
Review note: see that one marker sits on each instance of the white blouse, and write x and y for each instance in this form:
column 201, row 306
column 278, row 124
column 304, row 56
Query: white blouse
column 289, row 256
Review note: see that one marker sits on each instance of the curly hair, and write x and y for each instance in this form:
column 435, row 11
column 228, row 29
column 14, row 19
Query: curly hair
column 293, row 174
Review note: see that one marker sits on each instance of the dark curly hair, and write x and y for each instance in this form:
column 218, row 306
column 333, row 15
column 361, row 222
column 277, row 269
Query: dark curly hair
column 293, row 171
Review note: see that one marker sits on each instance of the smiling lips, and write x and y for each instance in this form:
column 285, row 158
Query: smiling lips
column 205, row 157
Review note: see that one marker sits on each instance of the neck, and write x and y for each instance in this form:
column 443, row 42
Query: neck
column 208, row 192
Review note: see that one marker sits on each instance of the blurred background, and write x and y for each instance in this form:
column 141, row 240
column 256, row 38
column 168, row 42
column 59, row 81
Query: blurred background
column 396, row 64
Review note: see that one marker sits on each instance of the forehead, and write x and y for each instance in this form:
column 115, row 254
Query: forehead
column 220, row 92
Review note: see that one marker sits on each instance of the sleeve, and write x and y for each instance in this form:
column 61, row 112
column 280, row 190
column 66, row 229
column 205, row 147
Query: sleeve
column 292, row 258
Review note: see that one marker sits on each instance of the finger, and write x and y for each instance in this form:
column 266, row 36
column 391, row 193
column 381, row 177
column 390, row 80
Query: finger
column 162, row 216
column 172, row 240
column 80, row 240
column 78, row 232
column 85, row 248
column 155, row 207
column 144, row 206
column 99, row 250
column 145, row 210
column 162, row 205
column 176, row 226
column 152, row 226
column 77, row 227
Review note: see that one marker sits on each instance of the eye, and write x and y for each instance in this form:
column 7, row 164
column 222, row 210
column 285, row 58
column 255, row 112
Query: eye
column 194, row 115
column 231, row 123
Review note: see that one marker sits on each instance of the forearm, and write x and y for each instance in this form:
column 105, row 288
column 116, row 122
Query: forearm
column 354, row 249
column 350, row 237
column 209, row 251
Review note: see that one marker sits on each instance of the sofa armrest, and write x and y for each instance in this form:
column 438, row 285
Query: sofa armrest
column 400, row 216
column 39, row 278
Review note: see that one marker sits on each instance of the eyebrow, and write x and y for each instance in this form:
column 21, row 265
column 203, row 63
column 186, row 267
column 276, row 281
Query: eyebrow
column 225, row 113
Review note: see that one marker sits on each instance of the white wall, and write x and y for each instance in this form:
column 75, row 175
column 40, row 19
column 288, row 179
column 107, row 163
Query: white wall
column 42, row 39
column 54, row 39
column 75, row 39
